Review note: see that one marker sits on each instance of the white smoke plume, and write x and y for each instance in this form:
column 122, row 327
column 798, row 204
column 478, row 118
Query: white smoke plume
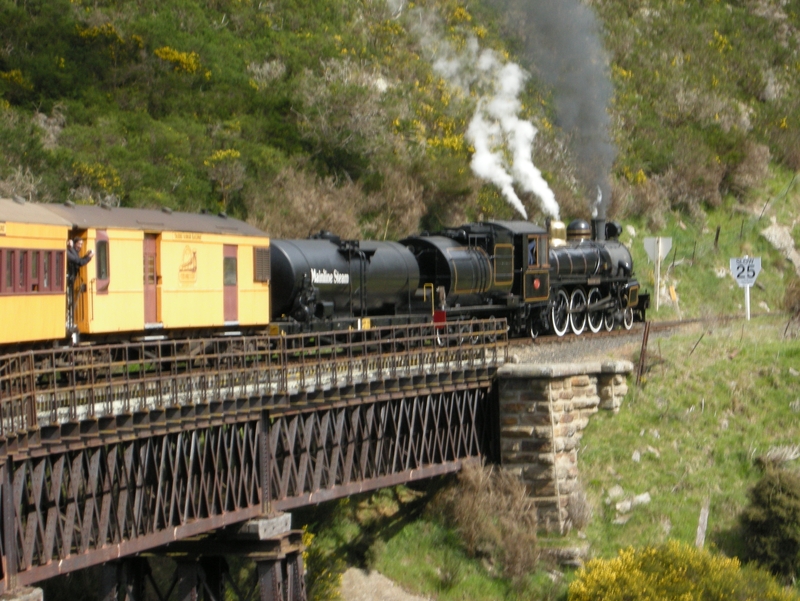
column 503, row 141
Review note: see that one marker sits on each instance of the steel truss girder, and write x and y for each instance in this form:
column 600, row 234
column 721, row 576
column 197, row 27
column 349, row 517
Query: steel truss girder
column 325, row 453
column 84, row 507
column 72, row 509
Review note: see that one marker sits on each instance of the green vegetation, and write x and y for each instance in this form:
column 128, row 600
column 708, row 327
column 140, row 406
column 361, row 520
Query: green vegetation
column 303, row 115
column 771, row 522
column 673, row 571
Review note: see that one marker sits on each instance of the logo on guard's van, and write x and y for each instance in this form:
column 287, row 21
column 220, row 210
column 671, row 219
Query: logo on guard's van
column 187, row 272
column 323, row 276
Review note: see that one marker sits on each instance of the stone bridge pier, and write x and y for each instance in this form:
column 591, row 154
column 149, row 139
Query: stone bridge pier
column 544, row 410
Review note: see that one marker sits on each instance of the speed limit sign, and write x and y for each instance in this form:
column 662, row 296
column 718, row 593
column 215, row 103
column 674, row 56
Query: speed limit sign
column 745, row 270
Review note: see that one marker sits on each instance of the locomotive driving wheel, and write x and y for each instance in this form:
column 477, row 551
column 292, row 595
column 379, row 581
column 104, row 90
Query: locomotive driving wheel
column 595, row 318
column 577, row 311
column 627, row 318
column 559, row 313
column 608, row 320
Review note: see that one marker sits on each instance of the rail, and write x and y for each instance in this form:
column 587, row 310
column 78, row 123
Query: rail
column 56, row 386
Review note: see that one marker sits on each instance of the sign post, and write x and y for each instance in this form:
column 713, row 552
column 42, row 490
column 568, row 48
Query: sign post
column 657, row 249
column 745, row 271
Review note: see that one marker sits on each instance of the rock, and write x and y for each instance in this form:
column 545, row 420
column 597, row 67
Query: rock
column 637, row 456
column 615, row 493
column 642, row 499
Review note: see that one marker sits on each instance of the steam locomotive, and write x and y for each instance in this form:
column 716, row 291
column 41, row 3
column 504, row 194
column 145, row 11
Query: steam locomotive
column 555, row 279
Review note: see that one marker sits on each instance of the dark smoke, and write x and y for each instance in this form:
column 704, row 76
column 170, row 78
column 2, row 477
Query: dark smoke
column 562, row 41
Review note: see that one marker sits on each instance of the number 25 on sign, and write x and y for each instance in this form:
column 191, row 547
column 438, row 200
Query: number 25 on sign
column 745, row 270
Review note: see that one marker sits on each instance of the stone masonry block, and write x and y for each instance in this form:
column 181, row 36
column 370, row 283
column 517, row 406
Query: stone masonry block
column 536, row 419
column 511, row 446
column 536, row 446
column 517, row 431
column 533, row 473
column 585, row 402
column 534, row 397
column 580, row 380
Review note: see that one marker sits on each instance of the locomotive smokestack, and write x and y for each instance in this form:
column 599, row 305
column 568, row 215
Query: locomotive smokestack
column 599, row 218
column 598, row 229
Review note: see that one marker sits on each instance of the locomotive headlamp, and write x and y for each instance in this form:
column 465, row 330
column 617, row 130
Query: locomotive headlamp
column 537, row 284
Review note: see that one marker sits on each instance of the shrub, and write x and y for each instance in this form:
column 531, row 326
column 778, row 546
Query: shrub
column 323, row 571
column 673, row 571
column 791, row 299
column 771, row 522
column 495, row 517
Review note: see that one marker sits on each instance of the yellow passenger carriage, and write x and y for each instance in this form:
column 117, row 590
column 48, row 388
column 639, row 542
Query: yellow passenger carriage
column 161, row 271
column 32, row 273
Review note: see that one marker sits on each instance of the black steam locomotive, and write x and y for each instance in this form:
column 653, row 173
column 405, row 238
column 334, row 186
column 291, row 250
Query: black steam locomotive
column 574, row 278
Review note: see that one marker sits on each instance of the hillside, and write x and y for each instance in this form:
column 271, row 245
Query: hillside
column 372, row 119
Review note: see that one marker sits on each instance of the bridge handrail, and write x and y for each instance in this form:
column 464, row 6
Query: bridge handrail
column 61, row 385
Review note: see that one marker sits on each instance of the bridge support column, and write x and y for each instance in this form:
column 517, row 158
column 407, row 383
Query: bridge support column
column 124, row 580
column 282, row 579
column 544, row 410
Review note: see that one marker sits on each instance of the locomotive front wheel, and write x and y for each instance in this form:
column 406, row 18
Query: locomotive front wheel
column 608, row 321
column 627, row 318
column 595, row 318
column 577, row 311
column 559, row 314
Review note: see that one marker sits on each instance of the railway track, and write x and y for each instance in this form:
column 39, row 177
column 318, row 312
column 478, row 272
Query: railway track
column 636, row 332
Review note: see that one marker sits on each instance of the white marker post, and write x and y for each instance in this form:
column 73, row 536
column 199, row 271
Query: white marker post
column 745, row 271
column 657, row 249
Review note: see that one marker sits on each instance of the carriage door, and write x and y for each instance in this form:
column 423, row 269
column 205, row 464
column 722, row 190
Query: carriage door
column 150, row 280
column 230, row 278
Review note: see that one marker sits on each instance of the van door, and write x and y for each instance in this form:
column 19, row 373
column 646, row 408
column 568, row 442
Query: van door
column 230, row 284
column 150, row 280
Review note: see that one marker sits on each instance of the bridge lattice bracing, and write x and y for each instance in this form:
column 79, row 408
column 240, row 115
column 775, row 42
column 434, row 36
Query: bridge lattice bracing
column 106, row 463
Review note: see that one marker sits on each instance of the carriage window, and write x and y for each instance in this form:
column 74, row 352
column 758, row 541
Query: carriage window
column 60, row 271
column 35, row 270
column 46, row 271
column 229, row 271
column 10, row 259
column 102, row 259
column 23, row 275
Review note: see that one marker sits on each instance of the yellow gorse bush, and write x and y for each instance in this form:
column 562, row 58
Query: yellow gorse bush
column 188, row 62
column 97, row 176
column 107, row 31
column 220, row 156
column 15, row 76
column 673, row 571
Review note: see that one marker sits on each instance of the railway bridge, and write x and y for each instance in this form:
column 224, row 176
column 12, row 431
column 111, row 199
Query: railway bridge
column 195, row 448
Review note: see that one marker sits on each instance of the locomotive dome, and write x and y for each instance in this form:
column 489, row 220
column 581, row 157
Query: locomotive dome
column 579, row 229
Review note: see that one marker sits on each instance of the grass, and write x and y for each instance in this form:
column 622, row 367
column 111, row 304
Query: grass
column 698, row 422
